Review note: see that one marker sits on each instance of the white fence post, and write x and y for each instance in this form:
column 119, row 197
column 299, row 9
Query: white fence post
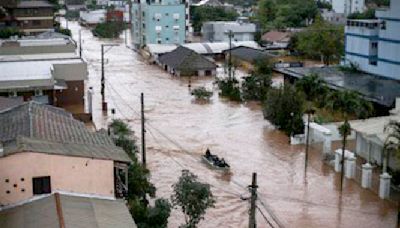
column 366, row 176
column 384, row 186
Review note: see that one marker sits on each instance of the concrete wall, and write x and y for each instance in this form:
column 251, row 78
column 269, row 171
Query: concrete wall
column 218, row 31
column 73, row 174
column 74, row 95
column 71, row 71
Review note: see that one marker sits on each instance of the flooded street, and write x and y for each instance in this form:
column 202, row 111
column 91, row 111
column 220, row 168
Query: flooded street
column 179, row 130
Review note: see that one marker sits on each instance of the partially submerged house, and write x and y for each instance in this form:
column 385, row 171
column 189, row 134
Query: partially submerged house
column 246, row 57
column 43, row 149
column 214, row 50
column 186, row 62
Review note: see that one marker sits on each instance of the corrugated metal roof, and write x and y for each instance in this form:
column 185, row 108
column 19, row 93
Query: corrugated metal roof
column 34, row 127
column 201, row 48
column 375, row 88
column 77, row 211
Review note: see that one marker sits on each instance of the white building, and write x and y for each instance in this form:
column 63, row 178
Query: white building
column 374, row 45
column 218, row 31
column 348, row 6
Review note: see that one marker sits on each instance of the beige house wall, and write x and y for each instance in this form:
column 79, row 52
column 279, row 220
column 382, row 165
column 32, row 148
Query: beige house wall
column 72, row 174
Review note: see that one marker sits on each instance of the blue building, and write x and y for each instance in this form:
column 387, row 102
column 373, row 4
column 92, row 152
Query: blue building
column 159, row 22
column 374, row 45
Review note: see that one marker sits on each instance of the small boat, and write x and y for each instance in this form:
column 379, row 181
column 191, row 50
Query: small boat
column 214, row 162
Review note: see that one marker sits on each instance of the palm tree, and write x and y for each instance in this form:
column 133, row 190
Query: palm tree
column 347, row 103
column 313, row 87
column 392, row 142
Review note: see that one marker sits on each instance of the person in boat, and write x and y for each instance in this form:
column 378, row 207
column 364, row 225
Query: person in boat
column 208, row 154
column 222, row 163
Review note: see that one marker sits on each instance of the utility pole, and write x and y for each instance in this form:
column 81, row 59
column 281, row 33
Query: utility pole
column 143, row 131
column 253, row 189
column 66, row 22
column 126, row 41
column 103, row 80
column 80, row 43
column 230, row 35
column 310, row 112
column 103, row 101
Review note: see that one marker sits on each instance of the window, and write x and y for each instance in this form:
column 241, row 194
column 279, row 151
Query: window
column 383, row 25
column 36, row 22
column 41, row 185
column 373, row 62
column 374, row 45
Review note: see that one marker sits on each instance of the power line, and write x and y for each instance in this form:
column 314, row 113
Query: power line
column 265, row 217
column 187, row 152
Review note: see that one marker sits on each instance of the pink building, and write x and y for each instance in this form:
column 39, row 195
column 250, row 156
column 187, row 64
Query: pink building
column 44, row 150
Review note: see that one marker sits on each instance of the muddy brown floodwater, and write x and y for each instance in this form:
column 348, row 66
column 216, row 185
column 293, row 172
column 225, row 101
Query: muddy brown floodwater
column 179, row 130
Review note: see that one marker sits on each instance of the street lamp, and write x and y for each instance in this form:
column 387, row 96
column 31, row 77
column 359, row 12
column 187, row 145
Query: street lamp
column 310, row 113
column 103, row 101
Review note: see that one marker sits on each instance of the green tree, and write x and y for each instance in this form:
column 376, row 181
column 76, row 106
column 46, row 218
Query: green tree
column 230, row 88
column 314, row 89
column 256, row 86
column 201, row 14
column 286, row 13
column 284, row 108
column 193, row 197
column 108, row 29
column 347, row 103
column 321, row 40
column 266, row 12
column 139, row 185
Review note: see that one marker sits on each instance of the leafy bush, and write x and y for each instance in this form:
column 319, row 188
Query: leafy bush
column 8, row 32
column 256, row 86
column 284, row 108
column 108, row 29
column 229, row 88
column 368, row 14
column 201, row 93
column 64, row 31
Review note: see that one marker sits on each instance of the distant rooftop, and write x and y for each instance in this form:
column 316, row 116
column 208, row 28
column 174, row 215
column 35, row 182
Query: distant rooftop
column 34, row 4
column 201, row 48
column 247, row 53
column 374, row 88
